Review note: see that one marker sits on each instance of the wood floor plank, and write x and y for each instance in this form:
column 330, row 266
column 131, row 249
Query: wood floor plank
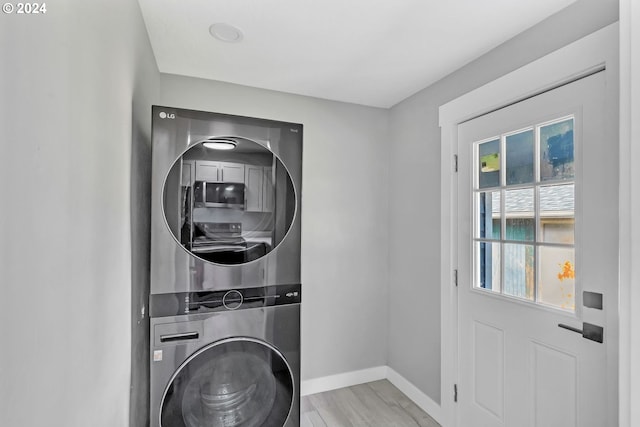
column 305, row 405
column 422, row 418
column 393, row 396
column 389, row 393
column 317, row 420
column 311, row 419
column 330, row 414
column 375, row 404
column 347, row 402
column 305, row 421
column 382, row 412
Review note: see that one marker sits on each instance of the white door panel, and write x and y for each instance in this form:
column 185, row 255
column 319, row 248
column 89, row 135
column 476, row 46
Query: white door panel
column 526, row 221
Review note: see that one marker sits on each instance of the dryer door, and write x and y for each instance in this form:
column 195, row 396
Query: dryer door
column 239, row 382
column 229, row 207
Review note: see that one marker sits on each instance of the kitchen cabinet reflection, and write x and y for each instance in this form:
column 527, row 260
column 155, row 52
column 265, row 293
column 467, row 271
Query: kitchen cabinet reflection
column 228, row 207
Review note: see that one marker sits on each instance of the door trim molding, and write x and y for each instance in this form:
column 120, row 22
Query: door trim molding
column 597, row 50
column 629, row 212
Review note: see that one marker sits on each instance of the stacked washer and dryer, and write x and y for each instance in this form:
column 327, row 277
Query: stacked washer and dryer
column 225, row 271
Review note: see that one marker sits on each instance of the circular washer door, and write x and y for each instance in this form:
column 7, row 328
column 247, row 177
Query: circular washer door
column 239, row 382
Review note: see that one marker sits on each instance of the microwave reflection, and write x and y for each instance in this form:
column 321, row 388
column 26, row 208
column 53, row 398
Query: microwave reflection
column 229, row 207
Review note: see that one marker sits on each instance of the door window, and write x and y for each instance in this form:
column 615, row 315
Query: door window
column 524, row 214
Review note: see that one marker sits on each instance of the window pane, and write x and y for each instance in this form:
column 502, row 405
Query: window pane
column 489, row 215
column 519, row 267
column 557, row 213
column 489, row 164
column 519, row 212
column 557, row 277
column 556, row 151
column 519, row 158
column 488, row 267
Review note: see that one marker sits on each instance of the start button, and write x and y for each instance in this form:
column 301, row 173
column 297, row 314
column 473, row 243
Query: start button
column 232, row 300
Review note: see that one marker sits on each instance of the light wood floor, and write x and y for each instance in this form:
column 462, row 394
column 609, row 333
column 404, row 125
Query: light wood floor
column 375, row 404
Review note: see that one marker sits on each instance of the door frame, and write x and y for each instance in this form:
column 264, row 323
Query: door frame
column 596, row 51
column 629, row 211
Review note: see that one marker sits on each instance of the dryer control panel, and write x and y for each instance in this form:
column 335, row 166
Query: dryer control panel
column 164, row 305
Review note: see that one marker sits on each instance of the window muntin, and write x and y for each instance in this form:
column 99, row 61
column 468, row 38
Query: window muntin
column 524, row 211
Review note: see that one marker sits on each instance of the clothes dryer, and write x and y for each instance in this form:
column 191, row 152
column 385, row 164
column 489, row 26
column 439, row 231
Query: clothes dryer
column 225, row 201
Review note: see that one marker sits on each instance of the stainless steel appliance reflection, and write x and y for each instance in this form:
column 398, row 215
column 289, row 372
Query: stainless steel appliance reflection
column 223, row 243
column 256, row 184
column 219, row 194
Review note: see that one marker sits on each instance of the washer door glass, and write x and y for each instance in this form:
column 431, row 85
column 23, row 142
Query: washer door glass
column 228, row 206
column 243, row 383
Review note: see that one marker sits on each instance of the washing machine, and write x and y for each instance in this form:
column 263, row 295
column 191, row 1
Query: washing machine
column 225, row 291
column 233, row 362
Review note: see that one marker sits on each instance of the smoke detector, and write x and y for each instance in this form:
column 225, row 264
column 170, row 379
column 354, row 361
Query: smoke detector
column 226, row 33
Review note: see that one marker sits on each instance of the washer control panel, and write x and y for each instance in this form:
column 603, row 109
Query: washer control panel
column 163, row 305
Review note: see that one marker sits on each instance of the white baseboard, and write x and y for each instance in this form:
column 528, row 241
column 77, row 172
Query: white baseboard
column 412, row 392
column 348, row 379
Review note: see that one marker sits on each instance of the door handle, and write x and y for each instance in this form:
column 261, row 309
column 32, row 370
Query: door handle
column 588, row 331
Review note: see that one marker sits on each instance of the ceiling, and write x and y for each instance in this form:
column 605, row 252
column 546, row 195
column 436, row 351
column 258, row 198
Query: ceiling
column 369, row 52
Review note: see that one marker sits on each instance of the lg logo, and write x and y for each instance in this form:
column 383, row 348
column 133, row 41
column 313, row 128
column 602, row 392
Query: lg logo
column 164, row 115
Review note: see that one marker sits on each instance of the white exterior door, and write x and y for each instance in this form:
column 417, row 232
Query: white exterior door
column 537, row 259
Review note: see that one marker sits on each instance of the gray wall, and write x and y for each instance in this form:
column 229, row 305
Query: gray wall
column 75, row 89
column 414, row 259
column 344, row 216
